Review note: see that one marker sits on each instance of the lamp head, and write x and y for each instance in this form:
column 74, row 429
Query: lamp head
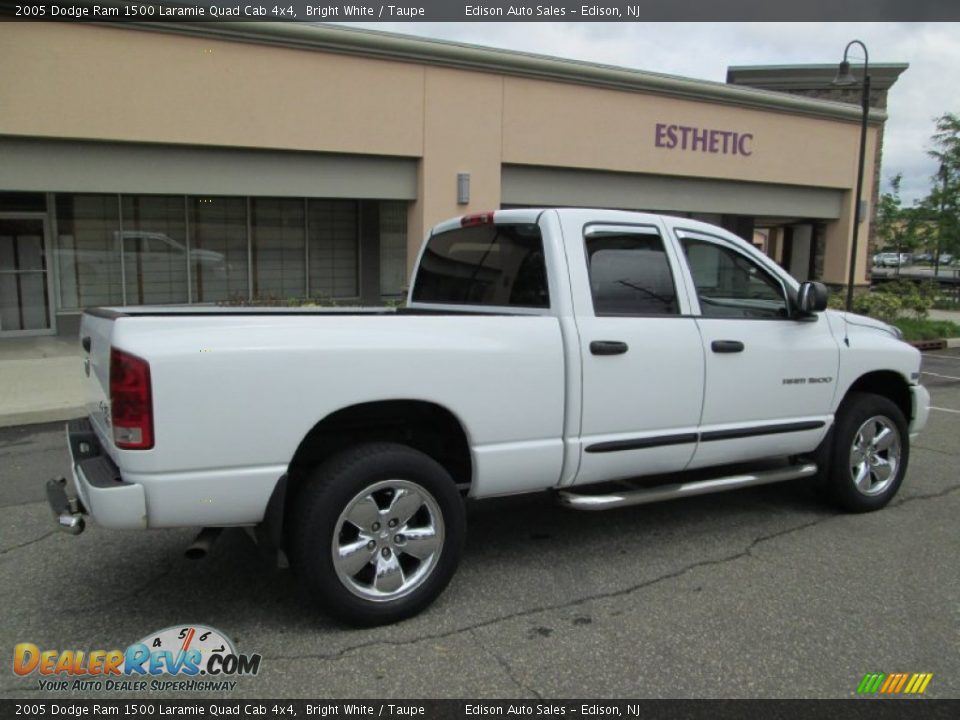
column 844, row 76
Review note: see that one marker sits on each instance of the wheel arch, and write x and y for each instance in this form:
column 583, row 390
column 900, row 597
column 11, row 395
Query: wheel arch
column 425, row 426
column 885, row 383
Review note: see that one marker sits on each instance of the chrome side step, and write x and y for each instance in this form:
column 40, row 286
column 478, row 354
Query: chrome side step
column 642, row 496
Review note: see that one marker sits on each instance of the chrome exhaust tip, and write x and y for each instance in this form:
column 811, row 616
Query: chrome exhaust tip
column 71, row 524
column 200, row 547
column 68, row 512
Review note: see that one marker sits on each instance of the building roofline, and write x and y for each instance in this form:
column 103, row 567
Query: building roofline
column 405, row 48
column 882, row 75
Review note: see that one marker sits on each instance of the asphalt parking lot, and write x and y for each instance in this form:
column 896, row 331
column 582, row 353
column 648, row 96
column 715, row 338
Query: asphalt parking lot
column 757, row 593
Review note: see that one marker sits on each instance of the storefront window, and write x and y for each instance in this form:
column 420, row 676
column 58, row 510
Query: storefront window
column 154, row 249
column 218, row 248
column 278, row 249
column 88, row 251
column 393, row 249
column 332, row 233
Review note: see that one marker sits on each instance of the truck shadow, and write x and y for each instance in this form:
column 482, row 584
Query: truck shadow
column 512, row 543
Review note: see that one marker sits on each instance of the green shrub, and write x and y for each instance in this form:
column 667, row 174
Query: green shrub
column 881, row 305
column 914, row 297
column 914, row 329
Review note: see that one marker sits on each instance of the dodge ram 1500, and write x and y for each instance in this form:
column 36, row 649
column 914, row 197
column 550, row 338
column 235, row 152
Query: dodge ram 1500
column 565, row 350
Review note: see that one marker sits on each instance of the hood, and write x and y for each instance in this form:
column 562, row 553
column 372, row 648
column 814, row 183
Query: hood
column 864, row 321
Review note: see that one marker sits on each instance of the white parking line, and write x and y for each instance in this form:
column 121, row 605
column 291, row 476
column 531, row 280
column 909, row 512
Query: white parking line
column 955, row 358
column 948, row 377
column 957, row 412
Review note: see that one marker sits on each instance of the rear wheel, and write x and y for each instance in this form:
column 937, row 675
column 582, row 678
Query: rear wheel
column 869, row 454
column 379, row 531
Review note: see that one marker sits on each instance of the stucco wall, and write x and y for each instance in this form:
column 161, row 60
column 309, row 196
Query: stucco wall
column 127, row 85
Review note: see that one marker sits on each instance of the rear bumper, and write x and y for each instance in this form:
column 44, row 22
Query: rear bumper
column 920, row 402
column 111, row 502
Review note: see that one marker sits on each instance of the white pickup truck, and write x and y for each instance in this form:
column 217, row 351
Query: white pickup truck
column 566, row 350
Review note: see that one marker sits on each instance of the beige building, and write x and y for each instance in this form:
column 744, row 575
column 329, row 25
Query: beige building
column 210, row 163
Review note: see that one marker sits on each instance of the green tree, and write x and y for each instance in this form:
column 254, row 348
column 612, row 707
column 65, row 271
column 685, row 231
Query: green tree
column 942, row 204
column 899, row 227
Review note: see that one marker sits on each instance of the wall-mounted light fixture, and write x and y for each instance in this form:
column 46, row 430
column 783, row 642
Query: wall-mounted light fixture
column 463, row 188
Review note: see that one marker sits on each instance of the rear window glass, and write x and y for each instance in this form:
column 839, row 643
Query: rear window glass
column 630, row 275
column 496, row 265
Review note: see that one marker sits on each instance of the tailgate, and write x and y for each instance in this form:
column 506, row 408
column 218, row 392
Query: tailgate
column 95, row 330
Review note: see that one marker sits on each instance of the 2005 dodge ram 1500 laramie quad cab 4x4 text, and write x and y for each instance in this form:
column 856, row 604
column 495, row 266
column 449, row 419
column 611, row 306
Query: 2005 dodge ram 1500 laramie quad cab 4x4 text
column 539, row 350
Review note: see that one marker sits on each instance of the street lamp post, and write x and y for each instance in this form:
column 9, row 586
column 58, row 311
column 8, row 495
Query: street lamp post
column 845, row 77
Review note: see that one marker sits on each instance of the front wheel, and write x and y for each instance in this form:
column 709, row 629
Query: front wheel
column 871, row 448
column 379, row 530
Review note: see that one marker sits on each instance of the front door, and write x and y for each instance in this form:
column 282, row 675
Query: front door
column 24, row 296
column 770, row 378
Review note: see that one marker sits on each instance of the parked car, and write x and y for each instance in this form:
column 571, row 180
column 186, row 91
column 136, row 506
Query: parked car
column 891, row 259
column 539, row 350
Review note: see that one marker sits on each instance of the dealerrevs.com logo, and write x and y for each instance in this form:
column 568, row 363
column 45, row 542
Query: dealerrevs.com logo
column 179, row 658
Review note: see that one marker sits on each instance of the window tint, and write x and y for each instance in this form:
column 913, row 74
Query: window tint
column 484, row 265
column 730, row 285
column 630, row 275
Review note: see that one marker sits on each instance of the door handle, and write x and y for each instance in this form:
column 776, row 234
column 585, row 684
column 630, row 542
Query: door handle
column 86, row 343
column 726, row 346
column 608, row 347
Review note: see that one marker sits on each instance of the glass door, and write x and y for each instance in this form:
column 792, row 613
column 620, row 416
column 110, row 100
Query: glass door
column 24, row 299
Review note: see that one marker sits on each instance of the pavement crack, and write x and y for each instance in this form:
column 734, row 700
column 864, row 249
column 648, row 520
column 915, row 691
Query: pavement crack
column 503, row 664
column 933, row 450
column 28, row 543
column 112, row 602
column 576, row 602
column 927, row 496
column 18, row 690
column 21, row 504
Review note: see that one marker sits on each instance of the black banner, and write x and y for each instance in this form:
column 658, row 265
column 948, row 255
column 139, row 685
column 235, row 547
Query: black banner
column 474, row 709
column 491, row 10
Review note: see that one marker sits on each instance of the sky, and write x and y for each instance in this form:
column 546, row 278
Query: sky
column 928, row 89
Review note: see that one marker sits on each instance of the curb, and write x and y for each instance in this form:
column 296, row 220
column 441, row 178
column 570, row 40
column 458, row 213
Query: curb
column 36, row 417
column 940, row 344
column 929, row 344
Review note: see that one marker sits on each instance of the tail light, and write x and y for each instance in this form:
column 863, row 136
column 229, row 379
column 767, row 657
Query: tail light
column 131, row 402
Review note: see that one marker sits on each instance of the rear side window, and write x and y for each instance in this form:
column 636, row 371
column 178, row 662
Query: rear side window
column 495, row 265
column 630, row 275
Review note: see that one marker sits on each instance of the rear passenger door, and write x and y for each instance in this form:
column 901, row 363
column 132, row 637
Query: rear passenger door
column 642, row 359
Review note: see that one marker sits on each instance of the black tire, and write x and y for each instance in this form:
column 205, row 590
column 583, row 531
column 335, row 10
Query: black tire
column 388, row 471
column 839, row 475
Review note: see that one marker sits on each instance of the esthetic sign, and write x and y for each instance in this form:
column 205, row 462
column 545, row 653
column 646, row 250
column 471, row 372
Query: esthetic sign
column 708, row 140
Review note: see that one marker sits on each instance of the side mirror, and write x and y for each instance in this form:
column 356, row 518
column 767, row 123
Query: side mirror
column 812, row 298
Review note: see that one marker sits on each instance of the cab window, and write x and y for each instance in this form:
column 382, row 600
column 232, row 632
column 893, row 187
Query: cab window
column 630, row 275
column 730, row 285
column 494, row 265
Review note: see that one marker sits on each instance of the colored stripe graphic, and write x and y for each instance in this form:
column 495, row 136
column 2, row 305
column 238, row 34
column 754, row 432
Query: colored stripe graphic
column 870, row 683
column 894, row 683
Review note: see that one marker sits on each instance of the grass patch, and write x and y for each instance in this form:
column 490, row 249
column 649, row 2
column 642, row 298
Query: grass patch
column 927, row 329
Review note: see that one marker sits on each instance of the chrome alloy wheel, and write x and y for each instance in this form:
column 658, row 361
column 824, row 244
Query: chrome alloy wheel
column 388, row 540
column 875, row 455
